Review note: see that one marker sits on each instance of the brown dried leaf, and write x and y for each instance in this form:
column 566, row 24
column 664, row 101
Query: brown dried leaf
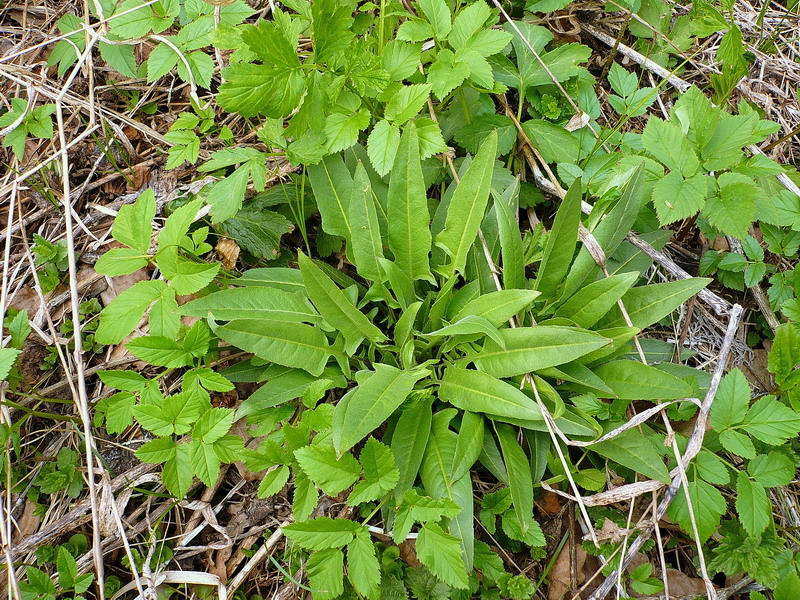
column 228, row 252
column 561, row 574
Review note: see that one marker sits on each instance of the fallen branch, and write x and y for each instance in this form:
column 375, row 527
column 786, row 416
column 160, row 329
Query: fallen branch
column 692, row 448
column 76, row 517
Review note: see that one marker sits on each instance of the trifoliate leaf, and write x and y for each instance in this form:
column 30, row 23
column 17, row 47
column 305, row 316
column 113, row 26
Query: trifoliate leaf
column 733, row 209
column 708, row 506
column 380, row 473
column 447, row 73
column 332, row 475
column 676, row 198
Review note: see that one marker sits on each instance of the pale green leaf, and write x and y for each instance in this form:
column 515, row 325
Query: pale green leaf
column 363, row 569
column 120, row 317
column 708, row 505
column 341, row 129
column 771, row 422
column 213, row 424
column 325, row 573
column 447, row 73
column 406, row 102
column 380, row 473
column 273, row 482
column 676, row 198
column 733, row 209
column 7, row 358
column 438, row 14
column 731, row 401
column 160, row 351
column 668, row 144
column 737, row 443
column 772, row 470
column 132, row 226
column 382, row 145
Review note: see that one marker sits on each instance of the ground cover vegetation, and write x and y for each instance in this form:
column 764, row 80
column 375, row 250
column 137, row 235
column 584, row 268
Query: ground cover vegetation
column 433, row 299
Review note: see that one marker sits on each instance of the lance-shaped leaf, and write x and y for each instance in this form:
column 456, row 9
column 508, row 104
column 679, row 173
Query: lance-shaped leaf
column 253, row 303
column 609, row 233
column 469, row 325
column 498, row 307
column 561, row 242
column 366, row 243
column 520, row 479
column 594, row 301
column 632, row 380
column 409, row 235
column 533, row 348
column 469, row 444
column 409, row 440
column 337, row 309
column 287, row 344
column 505, row 207
column 436, row 474
column 649, row 304
column 636, row 451
column 479, row 392
column 332, row 186
column 367, row 406
column 467, row 207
